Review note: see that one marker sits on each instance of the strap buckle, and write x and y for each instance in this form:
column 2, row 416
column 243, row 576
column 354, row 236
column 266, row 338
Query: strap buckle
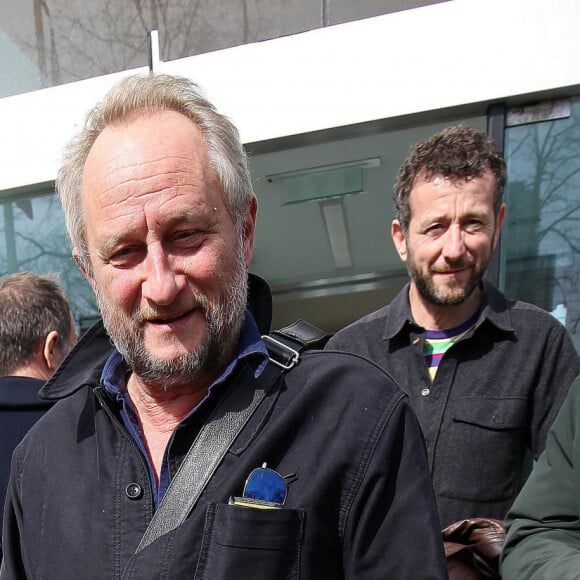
column 281, row 354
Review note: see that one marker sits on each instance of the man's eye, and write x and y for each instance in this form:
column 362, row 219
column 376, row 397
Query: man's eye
column 184, row 235
column 124, row 257
column 473, row 225
column 188, row 238
column 434, row 229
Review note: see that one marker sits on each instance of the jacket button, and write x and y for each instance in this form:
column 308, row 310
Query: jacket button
column 425, row 392
column 134, row 491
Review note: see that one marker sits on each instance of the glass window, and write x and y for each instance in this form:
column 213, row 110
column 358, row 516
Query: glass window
column 541, row 238
column 34, row 239
column 323, row 228
column 51, row 42
column 346, row 10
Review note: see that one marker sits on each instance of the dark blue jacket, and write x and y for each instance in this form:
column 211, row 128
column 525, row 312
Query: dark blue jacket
column 20, row 407
column 361, row 507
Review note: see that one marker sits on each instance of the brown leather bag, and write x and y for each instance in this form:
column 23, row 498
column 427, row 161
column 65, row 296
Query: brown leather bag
column 473, row 547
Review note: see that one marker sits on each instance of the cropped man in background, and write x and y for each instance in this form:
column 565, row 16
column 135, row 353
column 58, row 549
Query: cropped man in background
column 486, row 375
column 36, row 333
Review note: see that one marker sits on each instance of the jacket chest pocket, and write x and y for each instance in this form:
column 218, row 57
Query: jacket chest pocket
column 499, row 414
column 486, row 442
column 261, row 544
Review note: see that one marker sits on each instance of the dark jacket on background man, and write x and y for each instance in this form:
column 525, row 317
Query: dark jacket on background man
column 495, row 395
column 20, row 407
column 360, row 505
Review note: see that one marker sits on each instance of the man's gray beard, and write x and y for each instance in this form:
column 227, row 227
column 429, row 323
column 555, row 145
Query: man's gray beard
column 224, row 322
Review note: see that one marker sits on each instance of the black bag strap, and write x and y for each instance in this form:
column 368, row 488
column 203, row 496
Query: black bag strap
column 223, row 426
column 285, row 345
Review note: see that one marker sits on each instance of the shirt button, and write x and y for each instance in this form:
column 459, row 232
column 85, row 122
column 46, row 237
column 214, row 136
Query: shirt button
column 134, row 491
column 425, row 392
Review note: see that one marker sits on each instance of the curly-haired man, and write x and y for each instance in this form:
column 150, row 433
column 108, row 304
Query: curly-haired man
column 485, row 375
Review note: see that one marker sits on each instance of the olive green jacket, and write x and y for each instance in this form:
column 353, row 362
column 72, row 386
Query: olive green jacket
column 543, row 541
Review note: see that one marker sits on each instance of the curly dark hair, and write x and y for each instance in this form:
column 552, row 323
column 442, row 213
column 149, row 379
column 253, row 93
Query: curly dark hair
column 456, row 153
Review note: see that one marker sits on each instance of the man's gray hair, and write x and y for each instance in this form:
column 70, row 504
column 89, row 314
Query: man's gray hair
column 31, row 306
column 137, row 96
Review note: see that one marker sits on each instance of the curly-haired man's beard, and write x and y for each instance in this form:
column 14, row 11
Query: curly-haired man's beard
column 224, row 319
column 454, row 292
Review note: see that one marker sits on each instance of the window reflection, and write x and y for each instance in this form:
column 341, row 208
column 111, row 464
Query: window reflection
column 541, row 241
column 33, row 237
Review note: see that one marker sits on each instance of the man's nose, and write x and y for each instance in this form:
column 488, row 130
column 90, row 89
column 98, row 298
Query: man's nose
column 162, row 280
column 453, row 244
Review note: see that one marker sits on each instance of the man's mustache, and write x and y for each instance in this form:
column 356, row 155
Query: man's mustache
column 164, row 314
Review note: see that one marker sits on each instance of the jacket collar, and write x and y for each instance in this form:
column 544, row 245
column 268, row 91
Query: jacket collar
column 495, row 309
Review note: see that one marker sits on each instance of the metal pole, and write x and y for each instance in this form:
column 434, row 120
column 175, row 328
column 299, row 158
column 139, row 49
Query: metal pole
column 153, row 43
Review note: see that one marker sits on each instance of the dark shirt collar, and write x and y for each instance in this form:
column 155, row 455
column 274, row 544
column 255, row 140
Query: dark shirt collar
column 494, row 308
column 251, row 348
column 399, row 315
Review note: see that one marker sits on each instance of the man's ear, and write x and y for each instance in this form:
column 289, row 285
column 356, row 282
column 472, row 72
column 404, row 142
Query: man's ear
column 249, row 229
column 399, row 239
column 499, row 223
column 50, row 351
column 82, row 266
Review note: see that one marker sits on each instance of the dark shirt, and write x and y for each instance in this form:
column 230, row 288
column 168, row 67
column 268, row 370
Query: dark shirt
column 495, row 395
